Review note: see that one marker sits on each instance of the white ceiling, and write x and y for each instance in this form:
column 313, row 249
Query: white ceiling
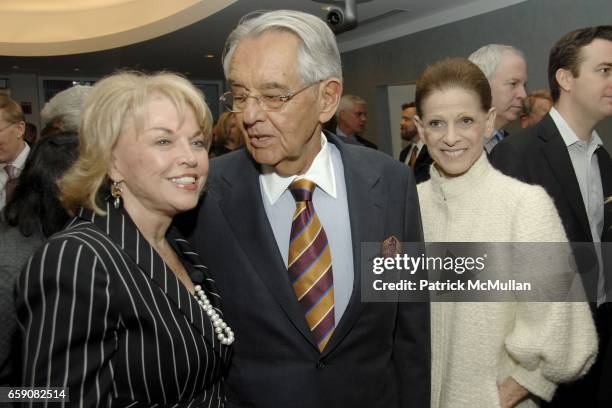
column 185, row 50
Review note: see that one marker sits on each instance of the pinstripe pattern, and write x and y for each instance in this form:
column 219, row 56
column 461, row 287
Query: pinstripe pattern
column 101, row 314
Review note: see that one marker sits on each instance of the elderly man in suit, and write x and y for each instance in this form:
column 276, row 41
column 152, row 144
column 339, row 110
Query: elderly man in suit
column 282, row 227
column 564, row 154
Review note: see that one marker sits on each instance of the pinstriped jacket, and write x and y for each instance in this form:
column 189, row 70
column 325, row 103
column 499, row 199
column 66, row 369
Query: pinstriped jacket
column 102, row 314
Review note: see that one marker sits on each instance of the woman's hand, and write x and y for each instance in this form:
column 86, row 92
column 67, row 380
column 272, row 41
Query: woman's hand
column 511, row 393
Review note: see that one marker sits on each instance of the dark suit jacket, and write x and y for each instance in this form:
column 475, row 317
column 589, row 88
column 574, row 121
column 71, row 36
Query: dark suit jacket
column 379, row 353
column 538, row 155
column 404, row 153
column 422, row 164
column 104, row 316
column 365, row 142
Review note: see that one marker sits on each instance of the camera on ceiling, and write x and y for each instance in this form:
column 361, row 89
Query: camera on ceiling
column 342, row 19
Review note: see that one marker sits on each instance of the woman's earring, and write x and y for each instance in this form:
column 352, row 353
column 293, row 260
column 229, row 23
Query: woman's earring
column 116, row 193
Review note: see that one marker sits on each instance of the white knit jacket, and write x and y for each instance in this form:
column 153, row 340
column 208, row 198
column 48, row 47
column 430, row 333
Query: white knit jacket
column 476, row 346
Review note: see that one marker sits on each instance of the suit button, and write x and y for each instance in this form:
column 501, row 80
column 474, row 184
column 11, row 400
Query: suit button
column 321, row 365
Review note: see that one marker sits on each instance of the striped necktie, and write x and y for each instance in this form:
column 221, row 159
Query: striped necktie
column 413, row 156
column 11, row 182
column 310, row 266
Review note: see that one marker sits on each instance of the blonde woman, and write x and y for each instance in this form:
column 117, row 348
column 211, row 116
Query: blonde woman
column 117, row 307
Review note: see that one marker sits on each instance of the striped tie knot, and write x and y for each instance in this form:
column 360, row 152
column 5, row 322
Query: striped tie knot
column 302, row 190
column 10, row 171
column 11, row 182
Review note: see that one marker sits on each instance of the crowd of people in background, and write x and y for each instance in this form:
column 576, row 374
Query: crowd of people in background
column 134, row 271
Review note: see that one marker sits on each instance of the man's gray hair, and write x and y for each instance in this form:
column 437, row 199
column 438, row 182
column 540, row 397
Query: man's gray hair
column 348, row 101
column 488, row 57
column 318, row 55
column 65, row 108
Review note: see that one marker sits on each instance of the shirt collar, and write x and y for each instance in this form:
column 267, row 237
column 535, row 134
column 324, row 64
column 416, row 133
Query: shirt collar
column 419, row 145
column 567, row 134
column 20, row 160
column 340, row 133
column 321, row 172
column 498, row 135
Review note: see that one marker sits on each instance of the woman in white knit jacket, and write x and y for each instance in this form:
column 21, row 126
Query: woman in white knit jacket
column 501, row 354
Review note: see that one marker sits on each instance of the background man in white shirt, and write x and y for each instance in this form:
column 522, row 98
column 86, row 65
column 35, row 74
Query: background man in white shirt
column 564, row 154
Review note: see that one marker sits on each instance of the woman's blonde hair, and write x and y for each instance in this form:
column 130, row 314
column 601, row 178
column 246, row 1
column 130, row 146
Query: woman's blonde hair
column 112, row 102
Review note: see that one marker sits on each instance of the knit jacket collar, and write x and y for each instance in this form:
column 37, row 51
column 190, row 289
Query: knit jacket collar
column 449, row 187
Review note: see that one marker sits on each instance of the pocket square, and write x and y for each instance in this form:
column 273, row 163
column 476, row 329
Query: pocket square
column 391, row 247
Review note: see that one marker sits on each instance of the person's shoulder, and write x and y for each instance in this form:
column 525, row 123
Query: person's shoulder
column 526, row 139
column 425, row 191
column 233, row 166
column 365, row 142
column 522, row 140
column 373, row 156
column 79, row 235
column 366, row 160
column 16, row 249
column 533, row 212
column 229, row 159
column 12, row 238
column 517, row 190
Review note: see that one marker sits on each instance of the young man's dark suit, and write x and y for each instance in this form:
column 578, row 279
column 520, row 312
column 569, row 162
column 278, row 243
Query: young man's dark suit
column 422, row 164
column 538, row 155
column 375, row 346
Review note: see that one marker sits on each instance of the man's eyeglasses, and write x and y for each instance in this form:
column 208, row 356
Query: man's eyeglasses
column 237, row 102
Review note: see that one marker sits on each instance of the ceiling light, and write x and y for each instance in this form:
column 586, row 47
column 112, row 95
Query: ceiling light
column 99, row 26
column 210, row 56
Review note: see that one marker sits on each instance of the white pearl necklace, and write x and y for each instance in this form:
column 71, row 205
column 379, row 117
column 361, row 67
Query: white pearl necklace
column 224, row 332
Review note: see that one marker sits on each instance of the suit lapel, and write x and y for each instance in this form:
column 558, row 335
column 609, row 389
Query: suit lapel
column 366, row 204
column 560, row 163
column 240, row 200
column 605, row 170
column 423, row 159
column 124, row 233
column 240, row 185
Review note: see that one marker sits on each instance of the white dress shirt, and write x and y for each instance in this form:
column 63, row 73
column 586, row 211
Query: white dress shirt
column 331, row 204
column 586, row 166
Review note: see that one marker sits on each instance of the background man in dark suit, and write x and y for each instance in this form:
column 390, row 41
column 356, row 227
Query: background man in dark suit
column 369, row 354
column 408, row 130
column 13, row 149
column 415, row 154
column 351, row 118
column 564, row 154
